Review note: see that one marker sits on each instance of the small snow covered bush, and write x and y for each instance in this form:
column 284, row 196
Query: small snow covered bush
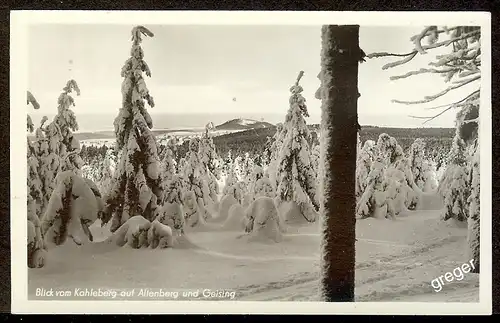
column 226, row 203
column 133, row 233
column 172, row 215
column 373, row 197
column 194, row 209
column 160, row 236
column 74, row 205
column 263, row 222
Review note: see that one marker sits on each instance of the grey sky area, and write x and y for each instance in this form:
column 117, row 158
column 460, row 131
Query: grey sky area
column 200, row 69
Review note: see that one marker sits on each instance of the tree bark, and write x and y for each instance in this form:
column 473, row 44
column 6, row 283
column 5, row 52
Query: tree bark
column 339, row 93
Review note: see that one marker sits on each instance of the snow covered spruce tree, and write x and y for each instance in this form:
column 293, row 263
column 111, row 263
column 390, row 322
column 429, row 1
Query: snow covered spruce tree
column 106, row 171
column 257, row 174
column 276, row 142
column 31, row 99
column 137, row 185
column 35, row 245
column 58, row 149
column 388, row 149
column 295, row 174
column 340, row 56
column 454, row 185
column 65, row 123
column 417, row 155
column 49, row 160
column 207, row 150
column 195, row 177
column 168, row 170
column 421, row 168
column 208, row 157
column 372, row 201
column 35, row 185
column 231, row 179
column 266, row 156
column 391, row 155
column 365, row 158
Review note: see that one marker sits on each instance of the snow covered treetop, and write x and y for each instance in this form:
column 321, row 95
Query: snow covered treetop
column 209, row 127
column 296, row 99
column 65, row 118
column 137, row 33
column 134, row 91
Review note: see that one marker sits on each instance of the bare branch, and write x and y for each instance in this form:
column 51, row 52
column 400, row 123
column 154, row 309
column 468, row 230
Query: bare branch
column 475, row 101
column 467, row 81
column 438, row 95
column 458, row 102
column 423, row 71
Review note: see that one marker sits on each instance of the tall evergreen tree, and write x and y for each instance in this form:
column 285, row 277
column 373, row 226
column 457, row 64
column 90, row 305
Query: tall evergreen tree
column 340, row 57
column 34, row 199
column 295, row 174
column 137, row 184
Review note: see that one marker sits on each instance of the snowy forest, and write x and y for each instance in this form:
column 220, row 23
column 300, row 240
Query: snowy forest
column 207, row 211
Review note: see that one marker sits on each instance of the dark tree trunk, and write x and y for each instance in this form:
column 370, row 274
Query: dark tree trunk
column 339, row 93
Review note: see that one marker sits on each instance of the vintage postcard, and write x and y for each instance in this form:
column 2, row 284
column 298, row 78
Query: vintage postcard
column 251, row 162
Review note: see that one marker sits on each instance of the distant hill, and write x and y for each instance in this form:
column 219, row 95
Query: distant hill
column 243, row 124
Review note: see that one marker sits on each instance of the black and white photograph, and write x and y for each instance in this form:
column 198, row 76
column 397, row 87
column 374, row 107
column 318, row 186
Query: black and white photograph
column 301, row 161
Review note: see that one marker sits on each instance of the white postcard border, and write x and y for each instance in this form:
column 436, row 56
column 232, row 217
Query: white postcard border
column 20, row 20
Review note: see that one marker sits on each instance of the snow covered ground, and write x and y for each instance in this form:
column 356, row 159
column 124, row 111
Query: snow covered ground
column 396, row 261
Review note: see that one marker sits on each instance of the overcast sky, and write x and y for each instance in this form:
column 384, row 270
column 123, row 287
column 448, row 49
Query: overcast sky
column 202, row 68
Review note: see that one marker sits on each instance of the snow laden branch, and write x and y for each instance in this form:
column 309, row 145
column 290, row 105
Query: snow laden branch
column 31, row 99
column 136, row 186
column 461, row 67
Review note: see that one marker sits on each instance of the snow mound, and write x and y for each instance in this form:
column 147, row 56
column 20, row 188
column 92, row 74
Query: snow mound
column 38, row 258
column 263, row 221
column 184, row 242
column 133, row 233
column 292, row 215
column 160, row 236
column 236, row 218
column 225, row 204
column 72, row 207
column 430, row 201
